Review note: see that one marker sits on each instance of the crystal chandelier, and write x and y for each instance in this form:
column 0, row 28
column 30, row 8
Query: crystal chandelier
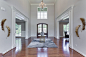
column 42, row 4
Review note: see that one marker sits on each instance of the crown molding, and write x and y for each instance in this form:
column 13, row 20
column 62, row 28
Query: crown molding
column 46, row 4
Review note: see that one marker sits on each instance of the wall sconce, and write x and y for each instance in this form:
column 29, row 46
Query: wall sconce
column 83, row 23
column 77, row 28
column 2, row 24
column 8, row 31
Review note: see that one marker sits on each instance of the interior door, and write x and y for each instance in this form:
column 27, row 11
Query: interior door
column 42, row 27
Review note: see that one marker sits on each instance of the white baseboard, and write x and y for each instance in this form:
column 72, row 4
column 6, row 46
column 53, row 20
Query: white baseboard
column 8, row 50
column 70, row 47
column 80, row 52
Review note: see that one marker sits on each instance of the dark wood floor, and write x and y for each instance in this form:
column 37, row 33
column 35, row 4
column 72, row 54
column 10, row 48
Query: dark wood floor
column 63, row 50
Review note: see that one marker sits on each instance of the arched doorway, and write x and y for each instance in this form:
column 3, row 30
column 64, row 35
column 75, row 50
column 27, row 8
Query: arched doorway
column 42, row 27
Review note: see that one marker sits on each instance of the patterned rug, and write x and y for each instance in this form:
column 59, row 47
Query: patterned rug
column 37, row 44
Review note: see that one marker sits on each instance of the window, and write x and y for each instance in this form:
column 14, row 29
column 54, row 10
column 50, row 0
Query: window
column 18, row 30
column 66, row 28
column 42, row 13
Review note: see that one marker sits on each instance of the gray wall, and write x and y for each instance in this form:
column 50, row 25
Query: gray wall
column 61, row 29
column 35, row 21
column 24, row 7
column 79, row 12
column 5, row 42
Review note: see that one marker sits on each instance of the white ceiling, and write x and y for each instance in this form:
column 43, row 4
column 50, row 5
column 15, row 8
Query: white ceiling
column 45, row 1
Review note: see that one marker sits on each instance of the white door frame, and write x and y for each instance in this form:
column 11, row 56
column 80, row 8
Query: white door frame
column 70, row 10
column 13, row 26
column 26, row 29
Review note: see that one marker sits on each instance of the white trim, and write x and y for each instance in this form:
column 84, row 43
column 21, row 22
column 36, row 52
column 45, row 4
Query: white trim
column 8, row 50
column 40, row 14
column 57, row 24
column 71, row 27
column 68, row 9
column 13, row 28
column 79, row 52
column 70, row 12
column 19, row 12
column 46, row 4
column 14, row 10
column 26, row 25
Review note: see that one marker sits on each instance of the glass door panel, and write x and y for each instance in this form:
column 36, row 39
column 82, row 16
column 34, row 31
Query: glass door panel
column 44, row 28
column 39, row 28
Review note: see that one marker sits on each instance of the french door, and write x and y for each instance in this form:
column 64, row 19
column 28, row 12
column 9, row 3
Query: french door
column 42, row 27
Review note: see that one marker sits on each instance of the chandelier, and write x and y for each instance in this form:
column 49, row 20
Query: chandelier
column 42, row 4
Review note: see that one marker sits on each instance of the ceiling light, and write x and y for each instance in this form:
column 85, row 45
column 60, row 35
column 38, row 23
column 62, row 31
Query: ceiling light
column 42, row 4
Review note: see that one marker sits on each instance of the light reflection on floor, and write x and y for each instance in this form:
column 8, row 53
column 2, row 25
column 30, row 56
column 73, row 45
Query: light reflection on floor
column 42, row 52
column 65, row 46
column 18, row 45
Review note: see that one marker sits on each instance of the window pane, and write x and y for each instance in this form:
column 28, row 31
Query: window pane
column 68, row 28
column 45, row 15
column 44, row 28
column 40, row 28
column 42, row 16
column 42, row 13
column 18, row 30
column 39, row 15
column 64, row 29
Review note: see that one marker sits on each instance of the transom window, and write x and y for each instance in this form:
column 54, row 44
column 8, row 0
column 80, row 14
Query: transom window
column 42, row 13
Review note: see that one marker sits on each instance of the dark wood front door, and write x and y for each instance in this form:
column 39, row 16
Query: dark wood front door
column 42, row 27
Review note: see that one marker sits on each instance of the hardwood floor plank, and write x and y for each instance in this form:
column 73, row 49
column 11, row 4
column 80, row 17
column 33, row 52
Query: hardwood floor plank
column 21, row 50
column 0, row 54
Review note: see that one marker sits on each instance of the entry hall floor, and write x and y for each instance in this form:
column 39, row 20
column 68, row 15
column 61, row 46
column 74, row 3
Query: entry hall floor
column 21, row 49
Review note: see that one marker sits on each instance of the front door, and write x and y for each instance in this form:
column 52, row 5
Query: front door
column 42, row 27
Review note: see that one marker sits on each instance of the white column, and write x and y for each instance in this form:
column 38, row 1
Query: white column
column 27, row 24
column 71, row 28
column 57, row 29
column 13, row 28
